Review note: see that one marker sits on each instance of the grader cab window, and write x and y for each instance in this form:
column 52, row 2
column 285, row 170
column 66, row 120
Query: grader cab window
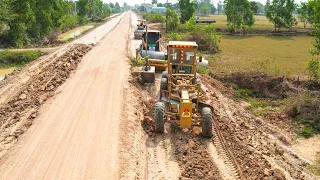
column 188, row 57
column 175, row 55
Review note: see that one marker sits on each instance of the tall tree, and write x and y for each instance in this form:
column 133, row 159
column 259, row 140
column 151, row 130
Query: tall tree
column 83, row 10
column 5, row 16
column 213, row 9
column 117, row 8
column 186, row 9
column 23, row 15
column 196, row 5
column 316, row 25
column 111, row 5
column 205, row 10
column 154, row 1
column 303, row 13
column 254, row 6
column 220, row 8
column 99, row 10
column 310, row 11
column 314, row 64
column 168, row 5
column 260, row 8
column 280, row 13
column 173, row 20
column 239, row 14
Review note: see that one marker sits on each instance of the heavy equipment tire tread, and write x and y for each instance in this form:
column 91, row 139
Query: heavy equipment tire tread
column 207, row 122
column 164, row 75
column 164, row 84
column 159, row 117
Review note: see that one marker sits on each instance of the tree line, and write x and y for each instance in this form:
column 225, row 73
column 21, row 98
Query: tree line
column 31, row 21
column 240, row 13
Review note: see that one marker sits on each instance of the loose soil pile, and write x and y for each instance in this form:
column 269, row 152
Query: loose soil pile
column 257, row 147
column 17, row 115
column 263, row 84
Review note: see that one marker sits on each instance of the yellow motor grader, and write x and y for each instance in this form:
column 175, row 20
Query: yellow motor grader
column 180, row 91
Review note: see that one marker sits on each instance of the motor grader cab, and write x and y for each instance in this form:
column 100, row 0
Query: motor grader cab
column 153, row 43
column 180, row 91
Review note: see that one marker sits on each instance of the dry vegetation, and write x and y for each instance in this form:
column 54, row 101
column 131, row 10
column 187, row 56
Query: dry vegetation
column 275, row 55
column 261, row 22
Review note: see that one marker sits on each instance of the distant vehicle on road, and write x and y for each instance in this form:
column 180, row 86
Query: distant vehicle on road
column 141, row 24
column 138, row 34
column 198, row 20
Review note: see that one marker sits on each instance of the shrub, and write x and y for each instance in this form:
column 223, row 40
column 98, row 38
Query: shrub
column 68, row 21
column 305, row 109
column 153, row 17
column 176, row 37
column 211, row 38
column 17, row 58
column 313, row 68
column 156, row 17
column 137, row 61
column 192, row 26
column 173, row 20
column 203, row 69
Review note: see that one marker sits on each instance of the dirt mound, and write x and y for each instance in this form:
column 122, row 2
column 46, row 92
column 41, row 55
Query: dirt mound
column 281, row 123
column 262, row 84
column 17, row 115
column 256, row 145
column 193, row 157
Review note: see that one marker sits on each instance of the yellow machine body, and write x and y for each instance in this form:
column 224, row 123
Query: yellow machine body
column 182, row 95
column 158, row 63
column 185, row 111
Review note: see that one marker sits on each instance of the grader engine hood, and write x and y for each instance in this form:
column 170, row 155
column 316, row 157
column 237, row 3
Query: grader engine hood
column 154, row 55
column 155, row 58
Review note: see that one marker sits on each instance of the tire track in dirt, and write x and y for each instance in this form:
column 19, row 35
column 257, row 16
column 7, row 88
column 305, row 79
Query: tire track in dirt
column 259, row 153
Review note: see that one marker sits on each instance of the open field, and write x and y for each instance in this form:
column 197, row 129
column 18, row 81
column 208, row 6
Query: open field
column 261, row 22
column 275, row 55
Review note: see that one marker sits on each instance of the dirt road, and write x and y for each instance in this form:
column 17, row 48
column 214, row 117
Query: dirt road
column 76, row 134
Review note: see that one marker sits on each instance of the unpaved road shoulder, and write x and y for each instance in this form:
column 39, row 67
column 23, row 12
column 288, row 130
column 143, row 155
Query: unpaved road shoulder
column 76, row 134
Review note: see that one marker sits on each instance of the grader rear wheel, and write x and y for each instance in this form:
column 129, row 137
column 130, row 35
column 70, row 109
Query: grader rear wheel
column 159, row 117
column 207, row 122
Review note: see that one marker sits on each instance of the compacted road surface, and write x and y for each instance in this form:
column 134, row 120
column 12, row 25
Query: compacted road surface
column 76, row 134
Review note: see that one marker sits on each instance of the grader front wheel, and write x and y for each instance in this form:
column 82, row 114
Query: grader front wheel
column 207, row 122
column 159, row 117
column 164, row 84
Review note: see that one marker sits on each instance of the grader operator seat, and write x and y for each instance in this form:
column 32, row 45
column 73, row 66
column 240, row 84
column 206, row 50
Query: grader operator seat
column 180, row 89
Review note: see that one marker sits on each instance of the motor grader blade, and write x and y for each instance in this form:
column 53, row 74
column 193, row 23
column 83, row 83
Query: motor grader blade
column 148, row 75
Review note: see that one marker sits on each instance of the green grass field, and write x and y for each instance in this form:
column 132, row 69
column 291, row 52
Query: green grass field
column 261, row 22
column 275, row 55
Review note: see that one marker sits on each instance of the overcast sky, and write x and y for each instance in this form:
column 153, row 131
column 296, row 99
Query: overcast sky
column 133, row 2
